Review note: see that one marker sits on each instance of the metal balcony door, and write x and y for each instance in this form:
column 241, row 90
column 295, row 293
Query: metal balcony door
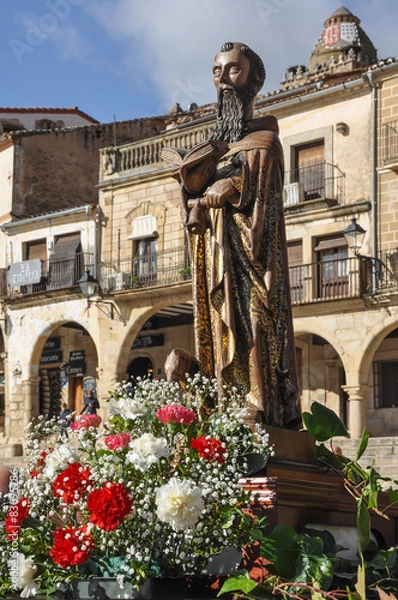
column 333, row 268
column 66, row 266
column 295, row 261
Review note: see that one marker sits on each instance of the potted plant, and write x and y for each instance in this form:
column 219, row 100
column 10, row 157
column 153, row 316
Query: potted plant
column 185, row 273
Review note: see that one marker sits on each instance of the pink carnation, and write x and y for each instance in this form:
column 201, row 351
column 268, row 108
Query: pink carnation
column 115, row 442
column 85, row 422
column 172, row 413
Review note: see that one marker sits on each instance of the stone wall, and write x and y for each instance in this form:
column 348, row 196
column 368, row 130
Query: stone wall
column 59, row 169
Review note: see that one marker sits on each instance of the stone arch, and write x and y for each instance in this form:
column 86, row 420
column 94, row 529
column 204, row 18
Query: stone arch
column 69, row 382
column 372, row 342
column 139, row 318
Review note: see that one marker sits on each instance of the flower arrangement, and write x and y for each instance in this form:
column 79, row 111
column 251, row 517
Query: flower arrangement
column 154, row 491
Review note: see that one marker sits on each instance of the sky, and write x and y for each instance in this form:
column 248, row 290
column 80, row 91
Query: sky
column 126, row 59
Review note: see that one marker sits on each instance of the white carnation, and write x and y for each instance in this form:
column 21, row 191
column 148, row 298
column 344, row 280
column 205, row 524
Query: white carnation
column 127, row 407
column 26, row 573
column 59, row 459
column 147, row 450
column 179, row 503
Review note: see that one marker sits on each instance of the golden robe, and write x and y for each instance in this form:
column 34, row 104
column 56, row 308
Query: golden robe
column 242, row 312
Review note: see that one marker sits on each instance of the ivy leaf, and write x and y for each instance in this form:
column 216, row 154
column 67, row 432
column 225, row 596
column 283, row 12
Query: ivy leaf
column 282, row 549
column 323, row 424
column 255, row 462
column 238, row 582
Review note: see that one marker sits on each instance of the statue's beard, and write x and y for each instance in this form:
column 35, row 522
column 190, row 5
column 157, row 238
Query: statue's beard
column 230, row 117
column 231, row 111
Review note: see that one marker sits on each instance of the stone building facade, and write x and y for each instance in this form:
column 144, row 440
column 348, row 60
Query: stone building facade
column 338, row 126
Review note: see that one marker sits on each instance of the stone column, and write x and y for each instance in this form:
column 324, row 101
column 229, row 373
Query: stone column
column 31, row 398
column 106, row 380
column 357, row 398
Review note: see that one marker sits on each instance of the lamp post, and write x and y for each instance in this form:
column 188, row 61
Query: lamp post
column 354, row 235
column 88, row 286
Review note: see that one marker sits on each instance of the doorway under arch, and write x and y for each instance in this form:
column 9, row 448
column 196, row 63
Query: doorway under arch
column 140, row 367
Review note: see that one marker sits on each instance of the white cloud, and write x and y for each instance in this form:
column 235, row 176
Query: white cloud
column 172, row 43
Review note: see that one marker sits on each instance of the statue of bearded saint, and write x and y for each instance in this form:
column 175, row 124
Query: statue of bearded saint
column 235, row 226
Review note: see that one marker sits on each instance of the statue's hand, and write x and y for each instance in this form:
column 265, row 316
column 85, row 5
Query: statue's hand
column 219, row 193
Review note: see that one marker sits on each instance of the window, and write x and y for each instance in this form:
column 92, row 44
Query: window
column 146, row 260
column 385, row 377
column 309, row 169
column 36, row 249
column 333, row 268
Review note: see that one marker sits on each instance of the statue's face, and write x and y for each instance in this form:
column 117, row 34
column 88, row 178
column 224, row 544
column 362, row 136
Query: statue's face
column 230, row 69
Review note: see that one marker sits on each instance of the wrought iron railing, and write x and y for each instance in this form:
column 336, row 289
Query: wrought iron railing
column 390, row 142
column 315, row 282
column 160, row 268
column 57, row 273
column 353, row 277
column 314, row 181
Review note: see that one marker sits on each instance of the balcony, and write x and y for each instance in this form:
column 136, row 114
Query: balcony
column 152, row 269
column 56, row 273
column 314, row 182
column 147, row 153
column 339, row 279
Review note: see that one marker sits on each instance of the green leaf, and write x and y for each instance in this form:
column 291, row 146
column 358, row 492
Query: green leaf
column 330, row 458
column 363, row 526
column 361, row 582
column 255, row 462
column 282, row 549
column 323, row 423
column 363, row 444
column 238, row 582
column 393, row 496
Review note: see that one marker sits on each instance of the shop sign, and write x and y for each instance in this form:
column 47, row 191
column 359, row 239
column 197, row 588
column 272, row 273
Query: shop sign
column 50, row 357
column 77, row 363
column 148, row 341
column 53, row 343
column 24, row 273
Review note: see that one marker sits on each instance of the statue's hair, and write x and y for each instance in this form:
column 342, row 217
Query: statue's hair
column 257, row 69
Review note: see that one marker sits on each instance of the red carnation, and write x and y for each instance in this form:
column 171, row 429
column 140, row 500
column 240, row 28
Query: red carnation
column 118, row 441
column 109, row 505
column 71, row 546
column 16, row 515
column 71, row 484
column 173, row 413
column 209, row 448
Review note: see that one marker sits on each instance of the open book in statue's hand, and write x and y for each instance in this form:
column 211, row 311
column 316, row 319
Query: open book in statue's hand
column 196, row 166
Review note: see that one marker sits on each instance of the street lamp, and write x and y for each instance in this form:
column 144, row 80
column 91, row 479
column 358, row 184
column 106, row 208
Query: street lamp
column 354, row 235
column 380, row 272
column 87, row 285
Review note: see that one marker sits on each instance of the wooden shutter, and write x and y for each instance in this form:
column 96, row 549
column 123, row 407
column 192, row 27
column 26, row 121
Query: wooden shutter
column 310, row 169
column 36, row 249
